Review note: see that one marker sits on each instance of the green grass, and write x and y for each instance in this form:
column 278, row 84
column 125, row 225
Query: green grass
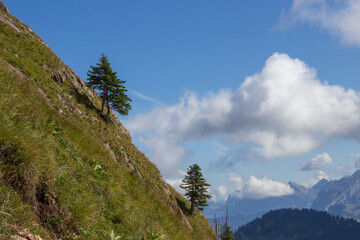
column 55, row 168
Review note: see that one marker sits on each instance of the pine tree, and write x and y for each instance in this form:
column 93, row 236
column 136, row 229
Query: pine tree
column 196, row 188
column 226, row 233
column 111, row 88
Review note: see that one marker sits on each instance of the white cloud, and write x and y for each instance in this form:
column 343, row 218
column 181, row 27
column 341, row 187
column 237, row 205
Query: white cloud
column 320, row 162
column 282, row 111
column 169, row 155
column 264, row 187
column 221, row 193
column 175, row 181
column 140, row 95
column 257, row 188
column 236, row 180
column 318, row 175
column 341, row 18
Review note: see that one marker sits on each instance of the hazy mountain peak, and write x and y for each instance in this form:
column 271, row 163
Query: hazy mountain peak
column 294, row 185
column 319, row 185
column 341, row 197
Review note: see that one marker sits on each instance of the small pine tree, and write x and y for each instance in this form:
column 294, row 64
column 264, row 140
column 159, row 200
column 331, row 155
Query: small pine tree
column 112, row 90
column 196, row 188
column 226, row 233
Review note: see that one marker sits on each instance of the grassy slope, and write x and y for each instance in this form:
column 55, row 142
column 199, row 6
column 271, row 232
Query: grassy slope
column 64, row 172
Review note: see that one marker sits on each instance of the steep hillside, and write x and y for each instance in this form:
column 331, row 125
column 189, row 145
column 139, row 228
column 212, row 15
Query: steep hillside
column 291, row 224
column 65, row 173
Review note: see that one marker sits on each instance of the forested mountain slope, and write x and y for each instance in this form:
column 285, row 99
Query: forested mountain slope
column 291, row 224
column 66, row 173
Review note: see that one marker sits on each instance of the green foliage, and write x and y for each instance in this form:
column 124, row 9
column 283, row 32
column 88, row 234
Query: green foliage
column 226, row 232
column 112, row 89
column 295, row 224
column 154, row 236
column 64, row 172
column 196, row 188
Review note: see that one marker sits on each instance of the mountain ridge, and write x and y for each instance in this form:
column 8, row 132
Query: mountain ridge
column 299, row 224
column 341, row 197
column 245, row 209
column 337, row 197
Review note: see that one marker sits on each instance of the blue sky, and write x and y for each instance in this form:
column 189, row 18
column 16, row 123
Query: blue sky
column 296, row 117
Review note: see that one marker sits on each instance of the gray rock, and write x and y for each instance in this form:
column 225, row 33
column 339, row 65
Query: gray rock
column 340, row 197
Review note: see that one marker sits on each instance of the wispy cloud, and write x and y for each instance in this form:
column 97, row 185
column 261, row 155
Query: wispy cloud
column 228, row 158
column 342, row 170
column 340, row 18
column 317, row 176
column 145, row 97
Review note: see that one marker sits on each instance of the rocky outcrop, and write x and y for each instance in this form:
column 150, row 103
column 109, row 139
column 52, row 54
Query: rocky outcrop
column 339, row 192
column 11, row 22
column 3, row 7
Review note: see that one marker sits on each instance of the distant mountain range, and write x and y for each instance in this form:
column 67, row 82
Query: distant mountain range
column 340, row 197
column 337, row 197
column 305, row 224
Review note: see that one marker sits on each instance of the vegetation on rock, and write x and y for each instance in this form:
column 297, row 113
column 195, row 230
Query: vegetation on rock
column 65, row 173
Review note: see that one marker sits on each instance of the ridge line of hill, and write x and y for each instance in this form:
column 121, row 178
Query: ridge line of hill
column 69, row 173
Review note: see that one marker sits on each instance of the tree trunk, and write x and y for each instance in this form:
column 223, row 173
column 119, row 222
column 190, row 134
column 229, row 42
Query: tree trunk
column 192, row 207
column 108, row 109
column 102, row 106
column 105, row 99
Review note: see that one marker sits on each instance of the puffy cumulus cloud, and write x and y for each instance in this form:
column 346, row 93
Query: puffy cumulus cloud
column 282, row 111
column 341, row 18
column 257, row 188
column 236, row 181
column 264, row 187
column 221, row 193
column 321, row 161
column 165, row 129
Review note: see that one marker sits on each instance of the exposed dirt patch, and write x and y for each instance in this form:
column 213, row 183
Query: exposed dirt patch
column 35, row 191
